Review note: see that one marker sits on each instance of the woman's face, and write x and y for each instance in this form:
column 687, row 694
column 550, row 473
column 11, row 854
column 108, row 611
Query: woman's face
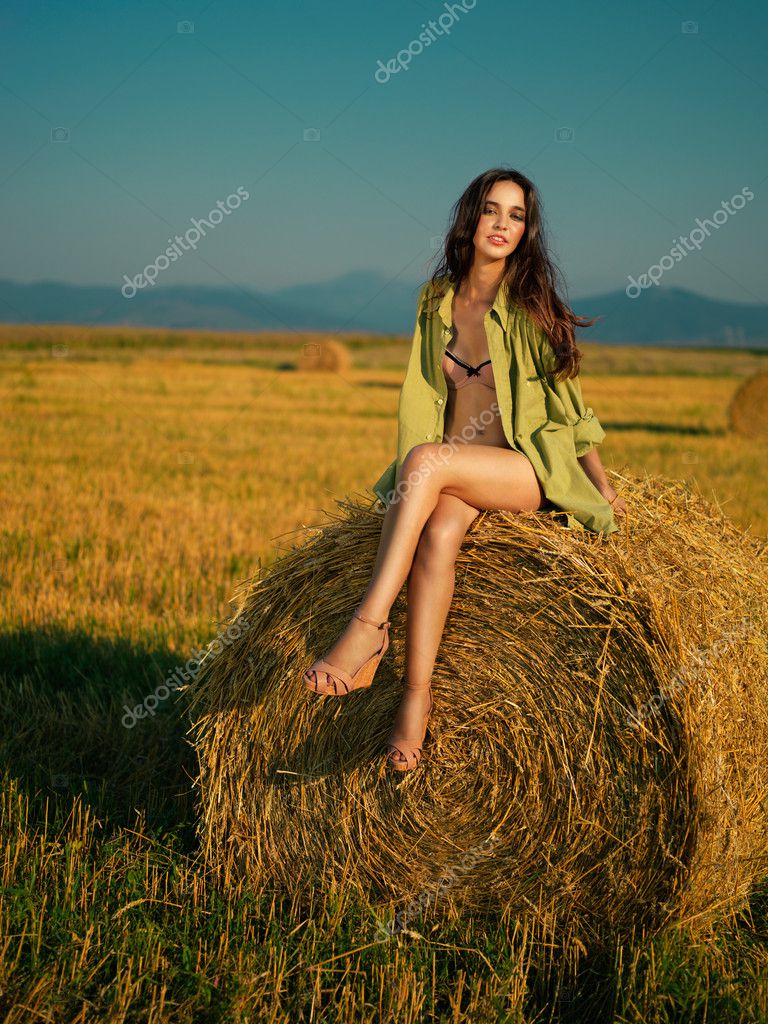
column 502, row 221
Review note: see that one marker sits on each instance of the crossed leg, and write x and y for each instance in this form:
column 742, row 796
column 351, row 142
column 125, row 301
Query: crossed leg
column 431, row 583
column 482, row 477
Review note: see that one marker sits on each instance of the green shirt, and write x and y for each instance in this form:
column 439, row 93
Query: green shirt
column 543, row 418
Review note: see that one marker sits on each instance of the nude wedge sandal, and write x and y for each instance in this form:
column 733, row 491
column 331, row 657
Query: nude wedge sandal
column 410, row 748
column 361, row 679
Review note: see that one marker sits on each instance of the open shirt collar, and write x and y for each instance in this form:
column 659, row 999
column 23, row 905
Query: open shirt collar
column 501, row 305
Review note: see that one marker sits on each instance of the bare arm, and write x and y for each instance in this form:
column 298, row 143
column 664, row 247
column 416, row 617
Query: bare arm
column 588, row 433
column 593, row 467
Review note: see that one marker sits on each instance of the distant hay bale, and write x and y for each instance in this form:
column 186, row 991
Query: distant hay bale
column 748, row 411
column 327, row 355
column 596, row 755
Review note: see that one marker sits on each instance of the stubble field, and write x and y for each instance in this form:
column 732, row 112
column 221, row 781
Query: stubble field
column 144, row 474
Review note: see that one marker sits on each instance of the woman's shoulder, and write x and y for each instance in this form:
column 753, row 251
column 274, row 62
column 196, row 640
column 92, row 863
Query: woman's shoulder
column 432, row 293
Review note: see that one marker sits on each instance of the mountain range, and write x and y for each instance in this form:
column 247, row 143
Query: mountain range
column 369, row 302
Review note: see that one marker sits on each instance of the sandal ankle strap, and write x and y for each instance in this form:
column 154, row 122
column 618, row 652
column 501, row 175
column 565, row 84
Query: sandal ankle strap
column 372, row 622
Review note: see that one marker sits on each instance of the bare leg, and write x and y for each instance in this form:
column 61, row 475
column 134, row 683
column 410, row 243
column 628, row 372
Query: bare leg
column 484, row 476
column 431, row 584
column 400, row 532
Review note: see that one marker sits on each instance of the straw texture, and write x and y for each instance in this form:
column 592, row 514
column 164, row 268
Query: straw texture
column 597, row 750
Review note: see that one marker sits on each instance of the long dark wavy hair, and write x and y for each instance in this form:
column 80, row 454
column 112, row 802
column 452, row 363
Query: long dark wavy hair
column 530, row 272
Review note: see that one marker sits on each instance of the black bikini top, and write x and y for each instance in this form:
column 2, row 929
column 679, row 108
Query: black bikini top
column 456, row 379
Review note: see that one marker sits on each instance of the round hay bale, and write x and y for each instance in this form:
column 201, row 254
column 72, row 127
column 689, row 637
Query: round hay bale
column 748, row 410
column 596, row 754
column 327, row 355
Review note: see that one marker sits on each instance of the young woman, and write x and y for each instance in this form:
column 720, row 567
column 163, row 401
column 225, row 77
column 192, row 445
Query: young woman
column 491, row 416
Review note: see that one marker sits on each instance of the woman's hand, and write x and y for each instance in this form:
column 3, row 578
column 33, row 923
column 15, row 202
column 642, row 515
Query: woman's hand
column 612, row 495
column 593, row 467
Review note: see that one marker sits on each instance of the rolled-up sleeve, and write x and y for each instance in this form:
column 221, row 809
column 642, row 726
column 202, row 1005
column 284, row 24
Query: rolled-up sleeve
column 587, row 429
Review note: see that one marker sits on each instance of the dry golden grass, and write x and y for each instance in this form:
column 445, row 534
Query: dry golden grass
column 136, row 495
column 145, row 475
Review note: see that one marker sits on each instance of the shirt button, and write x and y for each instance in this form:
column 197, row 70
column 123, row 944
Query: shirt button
column 446, row 330
column 439, row 401
column 429, row 437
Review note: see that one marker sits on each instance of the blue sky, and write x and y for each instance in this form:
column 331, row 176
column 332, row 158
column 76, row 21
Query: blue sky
column 664, row 122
